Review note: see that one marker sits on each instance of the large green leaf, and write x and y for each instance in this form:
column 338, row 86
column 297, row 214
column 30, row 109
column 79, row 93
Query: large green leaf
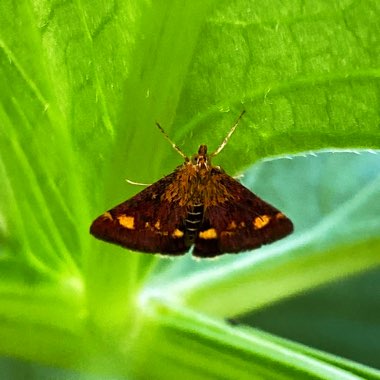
column 81, row 85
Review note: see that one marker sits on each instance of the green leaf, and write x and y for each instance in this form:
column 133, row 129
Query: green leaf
column 81, row 86
column 196, row 347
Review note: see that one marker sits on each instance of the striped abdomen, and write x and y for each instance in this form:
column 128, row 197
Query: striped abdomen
column 193, row 222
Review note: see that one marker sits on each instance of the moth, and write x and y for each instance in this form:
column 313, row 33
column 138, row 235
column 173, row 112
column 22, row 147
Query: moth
column 197, row 206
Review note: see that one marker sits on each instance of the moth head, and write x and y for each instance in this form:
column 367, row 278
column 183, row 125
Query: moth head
column 201, row 158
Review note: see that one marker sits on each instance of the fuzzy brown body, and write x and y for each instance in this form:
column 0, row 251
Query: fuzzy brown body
column 198, row 204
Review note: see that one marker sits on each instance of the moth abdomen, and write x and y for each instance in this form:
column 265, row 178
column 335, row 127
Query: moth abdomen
column 193, row 223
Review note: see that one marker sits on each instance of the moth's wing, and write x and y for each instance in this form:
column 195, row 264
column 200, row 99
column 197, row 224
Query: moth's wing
column 241, row 223
column 145, row 222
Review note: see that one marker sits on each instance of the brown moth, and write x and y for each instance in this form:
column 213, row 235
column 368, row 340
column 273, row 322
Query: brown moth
column 199, row 206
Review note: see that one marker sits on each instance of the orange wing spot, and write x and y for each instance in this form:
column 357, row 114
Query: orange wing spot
column 280, row 215
column 147, row 225
column 232, row 226
column 127, row 221
column 157, row 225
column 177, row 233
column 242, row 224
column 208, row 234
column 261, row 221
column 107, row 215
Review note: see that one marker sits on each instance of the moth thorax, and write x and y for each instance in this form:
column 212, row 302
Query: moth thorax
column 201, row 158
column 193, row 222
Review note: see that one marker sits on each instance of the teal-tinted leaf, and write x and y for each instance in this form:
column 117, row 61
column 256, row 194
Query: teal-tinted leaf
column 332, row 202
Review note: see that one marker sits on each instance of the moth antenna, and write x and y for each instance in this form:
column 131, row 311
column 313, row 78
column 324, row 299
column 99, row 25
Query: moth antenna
column 137, row 183
column 172, row 143
column 223, row 144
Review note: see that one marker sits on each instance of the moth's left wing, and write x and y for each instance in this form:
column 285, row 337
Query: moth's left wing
column 241, row 223
column 145, row 222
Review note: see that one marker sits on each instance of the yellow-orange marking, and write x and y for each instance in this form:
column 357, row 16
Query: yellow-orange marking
column 261, row 221
column 280, row 215
column 177, row 233
column 232, row 226
column 107, row 215
column 157, row 225
column 208, row 234
column 127, row 221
